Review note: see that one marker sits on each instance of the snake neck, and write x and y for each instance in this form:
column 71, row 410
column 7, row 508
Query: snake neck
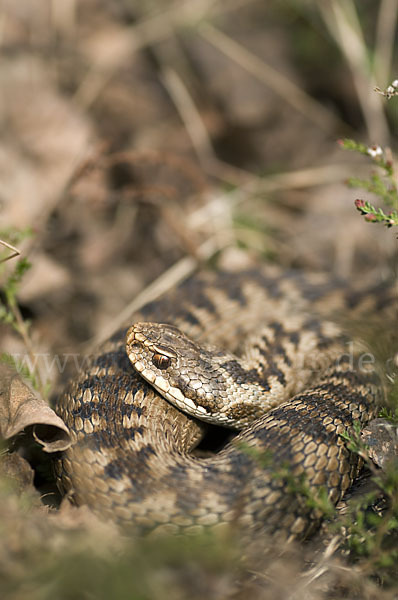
column 221, row 388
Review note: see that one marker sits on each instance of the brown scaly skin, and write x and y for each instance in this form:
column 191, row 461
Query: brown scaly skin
column 133, row 459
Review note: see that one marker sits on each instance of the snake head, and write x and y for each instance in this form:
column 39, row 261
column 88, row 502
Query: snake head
column 183, row 372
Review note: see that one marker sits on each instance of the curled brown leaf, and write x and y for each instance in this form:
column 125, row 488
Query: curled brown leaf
column 21, row 407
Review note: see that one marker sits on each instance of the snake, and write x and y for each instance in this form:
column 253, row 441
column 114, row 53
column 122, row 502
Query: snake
column 224, row 404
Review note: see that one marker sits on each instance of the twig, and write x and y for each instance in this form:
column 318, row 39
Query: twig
column 299, row 179
column 342, row 20
column 189, row 115
column 304, row 178
column 15, row 251
column 318, row 570
column 24, row 333
column 281, row 85
column 385, row 38
column 170, row 278
column 145, row 33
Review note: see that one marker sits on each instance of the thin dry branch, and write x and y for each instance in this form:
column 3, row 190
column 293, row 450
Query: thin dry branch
column 385, row 39
column 299, row 179
column 23, row 330
column 169, row 279
column 281, row 85
column 147, row 32
column 302, row 178
column 321, row 567
column 189, row 115
column 341, row 18
column 15, row 251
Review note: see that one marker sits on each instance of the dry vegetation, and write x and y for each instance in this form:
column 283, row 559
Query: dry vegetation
column 139, row 141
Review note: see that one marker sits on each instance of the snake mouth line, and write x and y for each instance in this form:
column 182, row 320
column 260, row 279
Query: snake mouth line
column 169, row 392
column 216, row 436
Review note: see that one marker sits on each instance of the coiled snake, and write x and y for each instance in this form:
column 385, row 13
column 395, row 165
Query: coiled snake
column 291, row 392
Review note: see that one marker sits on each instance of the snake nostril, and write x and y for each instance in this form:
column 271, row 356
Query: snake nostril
column 135, row 347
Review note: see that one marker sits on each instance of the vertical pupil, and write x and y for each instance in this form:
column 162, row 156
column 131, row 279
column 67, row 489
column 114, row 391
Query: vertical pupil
column 160, row 361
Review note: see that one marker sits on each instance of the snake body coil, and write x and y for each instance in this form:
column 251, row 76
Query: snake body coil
column 291, row 389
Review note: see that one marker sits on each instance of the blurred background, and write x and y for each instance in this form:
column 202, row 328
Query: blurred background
column 137, row 134
column 141, row 140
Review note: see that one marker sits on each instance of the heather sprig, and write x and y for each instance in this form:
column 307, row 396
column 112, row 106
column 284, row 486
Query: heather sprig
column 376, row 215
column 10, row 281
column 382, row 183
column 390, row 91
column 10, row 313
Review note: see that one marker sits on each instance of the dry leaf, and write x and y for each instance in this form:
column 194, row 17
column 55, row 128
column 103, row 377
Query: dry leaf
column 21, row 406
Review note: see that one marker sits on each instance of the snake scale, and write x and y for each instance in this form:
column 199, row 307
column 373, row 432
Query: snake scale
column 285, row 383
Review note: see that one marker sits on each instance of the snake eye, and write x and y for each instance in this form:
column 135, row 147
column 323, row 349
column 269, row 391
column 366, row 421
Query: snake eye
column 161, row 361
